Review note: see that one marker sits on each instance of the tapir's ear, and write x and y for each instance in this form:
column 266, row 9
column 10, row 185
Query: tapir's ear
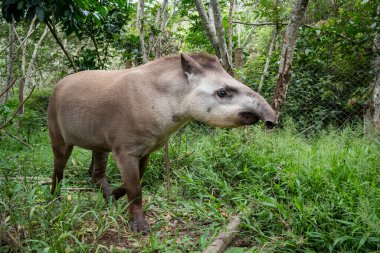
column 189, row 65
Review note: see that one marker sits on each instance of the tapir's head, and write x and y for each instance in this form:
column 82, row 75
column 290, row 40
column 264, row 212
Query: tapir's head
column 216, row 98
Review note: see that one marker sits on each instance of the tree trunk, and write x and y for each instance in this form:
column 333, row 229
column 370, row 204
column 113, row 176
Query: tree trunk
column 212, row 21
column 290, row 40
column 128, row 64
column 372, row 116
column 27, row 72
column 23, row 44
column 10, row 60
column 34, row 55
column 163, row 17
column 21, row 99
column 270, row 52
column 210, row 32
column 376, row 102
column 226, row 61
column 230, row 28
column 238, row 58
column 140, row 23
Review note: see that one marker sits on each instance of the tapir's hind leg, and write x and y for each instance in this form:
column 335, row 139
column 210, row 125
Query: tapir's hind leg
column 98, row 170
column 62, row 152
column 91, row 168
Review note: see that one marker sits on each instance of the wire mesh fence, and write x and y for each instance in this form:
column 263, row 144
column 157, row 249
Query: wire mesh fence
column 325, row 90
column 335, row 95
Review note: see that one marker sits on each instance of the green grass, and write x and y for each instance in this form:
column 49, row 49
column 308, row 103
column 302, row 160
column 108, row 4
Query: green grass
column 316, row 194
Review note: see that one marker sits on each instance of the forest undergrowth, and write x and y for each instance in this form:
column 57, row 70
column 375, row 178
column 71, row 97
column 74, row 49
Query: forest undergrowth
column 294, row 193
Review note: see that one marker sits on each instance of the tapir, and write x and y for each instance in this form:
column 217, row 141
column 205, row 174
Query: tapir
column 133, row 112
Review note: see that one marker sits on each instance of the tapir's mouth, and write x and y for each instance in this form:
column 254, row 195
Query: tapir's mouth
column 248, row 118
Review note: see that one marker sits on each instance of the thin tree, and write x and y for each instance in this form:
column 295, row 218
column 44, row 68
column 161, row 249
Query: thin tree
column 287, row 52
column 10, row 60
column 161, row 20
column 230, row 27
column 27, row 72
column 373, row 112
column 210, row 32
column 269, row 56
column 238, row 52
column 226, row 60
column 214, row 29
column 140, row 28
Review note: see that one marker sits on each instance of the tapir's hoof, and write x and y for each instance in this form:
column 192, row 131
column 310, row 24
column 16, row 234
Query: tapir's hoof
column 139, row 226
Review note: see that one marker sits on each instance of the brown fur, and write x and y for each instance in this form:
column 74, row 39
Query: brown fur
column 133, row 112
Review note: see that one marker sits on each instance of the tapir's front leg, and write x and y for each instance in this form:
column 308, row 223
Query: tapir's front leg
column 129, row 169
column 120, row 191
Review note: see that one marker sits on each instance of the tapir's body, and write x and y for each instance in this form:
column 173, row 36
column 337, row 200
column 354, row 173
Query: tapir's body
column 102, row 110
column 133, row 112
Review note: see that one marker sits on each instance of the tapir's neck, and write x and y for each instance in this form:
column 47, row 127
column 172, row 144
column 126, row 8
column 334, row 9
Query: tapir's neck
column 170, row 88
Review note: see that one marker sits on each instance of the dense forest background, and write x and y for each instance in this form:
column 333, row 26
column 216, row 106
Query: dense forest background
column 312, row 184
column 332, row 74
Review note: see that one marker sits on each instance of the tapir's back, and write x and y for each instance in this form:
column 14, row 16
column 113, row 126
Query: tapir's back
column 85, row 103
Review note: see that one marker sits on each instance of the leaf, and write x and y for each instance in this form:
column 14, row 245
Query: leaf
column 10, row 2
column 363, row 240
column 268, row 204
column 40, row 13
column 341, row 239
column 308, row 51
column 20, row 5
column 298, row 204
column 365, row 1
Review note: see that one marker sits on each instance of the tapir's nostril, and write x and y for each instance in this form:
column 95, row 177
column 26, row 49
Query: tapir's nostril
column 270, row 124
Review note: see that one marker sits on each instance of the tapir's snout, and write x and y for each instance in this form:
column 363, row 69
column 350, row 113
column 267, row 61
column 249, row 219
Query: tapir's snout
column 260, row 110
column 268, row 115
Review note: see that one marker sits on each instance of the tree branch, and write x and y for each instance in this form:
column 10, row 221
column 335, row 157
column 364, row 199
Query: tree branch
column 53, row 32
column 34, row 55
column 9, row 86
column 17, row 139
column 93, row 39
column 10, row 44
column 18, row 108
column 221, row 242
column 260, row 23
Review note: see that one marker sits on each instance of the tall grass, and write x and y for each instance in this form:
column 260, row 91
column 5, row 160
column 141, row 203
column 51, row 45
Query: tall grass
column 294, row 193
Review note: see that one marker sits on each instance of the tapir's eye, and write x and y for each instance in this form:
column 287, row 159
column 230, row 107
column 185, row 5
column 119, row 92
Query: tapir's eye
column 222, row 93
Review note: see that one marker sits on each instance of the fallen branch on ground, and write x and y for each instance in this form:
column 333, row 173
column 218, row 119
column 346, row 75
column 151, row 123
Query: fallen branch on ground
column 79, row 189
column 222, row 241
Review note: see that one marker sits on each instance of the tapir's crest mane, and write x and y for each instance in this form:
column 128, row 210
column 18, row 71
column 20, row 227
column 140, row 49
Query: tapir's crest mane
column 206, row 60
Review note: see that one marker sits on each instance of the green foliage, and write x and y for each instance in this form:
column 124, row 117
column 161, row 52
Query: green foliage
column 331, row 70
column 100, row 21
column 34, row 118
column 39, row 100
column 312, row 195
